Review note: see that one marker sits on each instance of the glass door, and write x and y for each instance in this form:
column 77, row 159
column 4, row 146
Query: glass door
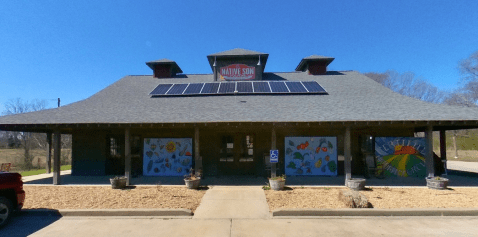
column 237, row 154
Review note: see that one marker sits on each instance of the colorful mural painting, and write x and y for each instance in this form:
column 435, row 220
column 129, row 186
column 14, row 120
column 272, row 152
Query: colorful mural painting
column 167, row 156
column 311, row 156
column 401, row 156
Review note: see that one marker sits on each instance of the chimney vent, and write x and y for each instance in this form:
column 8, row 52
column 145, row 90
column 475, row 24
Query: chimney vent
column 315, row 64
column 164, row 68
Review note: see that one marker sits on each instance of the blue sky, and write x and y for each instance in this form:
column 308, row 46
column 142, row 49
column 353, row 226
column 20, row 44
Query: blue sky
column 73, row 49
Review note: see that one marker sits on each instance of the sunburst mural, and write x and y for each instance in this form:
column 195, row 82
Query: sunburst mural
column 401, row 156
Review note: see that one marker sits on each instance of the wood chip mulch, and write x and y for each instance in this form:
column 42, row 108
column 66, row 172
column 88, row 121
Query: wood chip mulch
column 386, row 198
column 84, row 197
column 71, row 197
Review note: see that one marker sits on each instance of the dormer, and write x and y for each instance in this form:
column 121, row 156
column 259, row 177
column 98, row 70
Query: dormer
column 164, row 68
column 238, row 64
column 314, row 64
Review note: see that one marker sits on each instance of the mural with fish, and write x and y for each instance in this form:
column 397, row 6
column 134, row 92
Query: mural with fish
column 311, row 156
column 401, row 156
column 167, row 156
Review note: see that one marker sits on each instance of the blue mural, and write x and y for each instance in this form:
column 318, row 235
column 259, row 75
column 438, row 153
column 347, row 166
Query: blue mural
column 167, row 156
column 311, row 156
column 401, row 156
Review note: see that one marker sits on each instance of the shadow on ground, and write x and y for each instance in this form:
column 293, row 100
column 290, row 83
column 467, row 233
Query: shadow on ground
column 457, row 178
column 25, row 223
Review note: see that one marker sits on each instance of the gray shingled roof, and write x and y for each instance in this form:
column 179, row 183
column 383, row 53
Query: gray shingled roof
column 352, row 97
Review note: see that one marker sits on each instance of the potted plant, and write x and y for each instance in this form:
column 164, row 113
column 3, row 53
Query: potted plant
column 118, row 182
column 356, row 183
column 437, row 182
column 192, row 180
column 277, row 183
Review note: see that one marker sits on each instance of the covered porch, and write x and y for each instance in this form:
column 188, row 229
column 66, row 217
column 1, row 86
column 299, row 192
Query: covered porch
column 207, row 147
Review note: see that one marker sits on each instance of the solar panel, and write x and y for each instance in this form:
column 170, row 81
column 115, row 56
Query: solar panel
column 261, row 87
column 177, row 89
column 210, row 88
column 194, row 88
column 227, row 87
column 278, row 87
column 295, row 87
column 244, row 87
column 313, row 86
column 161, row 89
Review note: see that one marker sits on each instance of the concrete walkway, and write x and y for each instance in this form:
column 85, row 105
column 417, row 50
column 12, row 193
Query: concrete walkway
column 462, row 166
column 229, row 202
column 43, row 176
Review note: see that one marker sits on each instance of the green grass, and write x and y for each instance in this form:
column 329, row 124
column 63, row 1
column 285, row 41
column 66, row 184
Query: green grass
column 465, row 140
column 42, row 171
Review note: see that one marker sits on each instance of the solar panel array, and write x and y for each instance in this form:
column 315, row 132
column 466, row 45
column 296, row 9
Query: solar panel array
column 239, row 88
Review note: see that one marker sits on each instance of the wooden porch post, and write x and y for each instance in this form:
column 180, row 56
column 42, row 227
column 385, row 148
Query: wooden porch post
column 56, row 157
column 347, row 155
column 429, row 156
column 48, row 158
column 197, row 156
column 443, row 149
column 127, row 156
column 273, row 147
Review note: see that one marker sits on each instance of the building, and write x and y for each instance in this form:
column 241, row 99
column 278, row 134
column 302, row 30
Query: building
column 321, row 122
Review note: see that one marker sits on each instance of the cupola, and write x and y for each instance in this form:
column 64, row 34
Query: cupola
column 164, row 68
column 314, row 64
column 238, row 64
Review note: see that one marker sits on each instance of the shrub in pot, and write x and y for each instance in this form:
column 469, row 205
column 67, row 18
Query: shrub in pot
column 356, row 183
column 192, row 180
column 118, row 182
column 437, row 182
column 277, row 183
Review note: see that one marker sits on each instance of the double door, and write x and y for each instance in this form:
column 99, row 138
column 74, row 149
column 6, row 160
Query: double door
column 236, row 156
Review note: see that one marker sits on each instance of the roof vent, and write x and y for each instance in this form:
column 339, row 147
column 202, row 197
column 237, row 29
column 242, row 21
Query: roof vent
column 315, row 64
column 164, row 68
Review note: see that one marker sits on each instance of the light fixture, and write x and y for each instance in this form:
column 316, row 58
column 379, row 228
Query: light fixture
column 259, row 63
column 214, row 61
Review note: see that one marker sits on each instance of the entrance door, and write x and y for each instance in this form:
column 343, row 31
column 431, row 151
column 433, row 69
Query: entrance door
column 237, row 154
column 115, row 155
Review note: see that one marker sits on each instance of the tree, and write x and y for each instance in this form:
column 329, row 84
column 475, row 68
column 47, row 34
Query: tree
column 28, row 140
column 469, row 70
column 461, row 98
column 408, row 84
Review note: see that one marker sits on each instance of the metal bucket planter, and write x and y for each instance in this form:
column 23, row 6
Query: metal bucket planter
column 192, row 183
column 437, row 183
column 118, row 182
column 277, row 184
column 356, row 184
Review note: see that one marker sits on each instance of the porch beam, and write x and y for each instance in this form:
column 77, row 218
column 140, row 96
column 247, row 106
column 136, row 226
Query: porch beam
column 347, row 154
column 429, row 156
column 56, row 157
column 48, row 147
column 127, row 155
column 197, row 156
column 443, row 149
column 273, row 147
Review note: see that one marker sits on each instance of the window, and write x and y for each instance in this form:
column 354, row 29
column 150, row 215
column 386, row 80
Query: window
column 115, row 148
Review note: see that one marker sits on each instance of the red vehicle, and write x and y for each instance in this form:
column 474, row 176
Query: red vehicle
column 12, row 195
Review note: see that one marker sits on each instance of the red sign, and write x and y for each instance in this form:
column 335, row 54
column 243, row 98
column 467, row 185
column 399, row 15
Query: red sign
column 237, row 72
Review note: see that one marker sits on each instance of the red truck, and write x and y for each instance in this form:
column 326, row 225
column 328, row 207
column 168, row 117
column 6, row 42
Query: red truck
column 12, row 195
